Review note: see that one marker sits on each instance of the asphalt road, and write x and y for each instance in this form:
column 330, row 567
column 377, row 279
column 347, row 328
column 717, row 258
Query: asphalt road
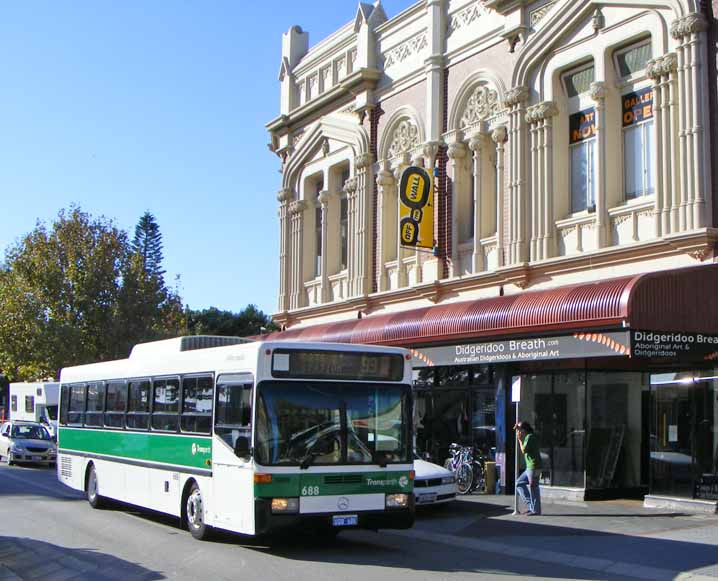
column 50, row 532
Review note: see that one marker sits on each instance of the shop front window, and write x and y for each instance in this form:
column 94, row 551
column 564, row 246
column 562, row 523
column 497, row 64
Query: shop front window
column 555, row 404
column 684, row 435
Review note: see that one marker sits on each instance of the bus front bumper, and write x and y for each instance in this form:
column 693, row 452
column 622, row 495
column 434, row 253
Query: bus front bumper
column 267, row 523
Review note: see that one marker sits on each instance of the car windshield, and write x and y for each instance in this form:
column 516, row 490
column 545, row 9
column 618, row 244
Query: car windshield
column 21, row 432
column 323, row 423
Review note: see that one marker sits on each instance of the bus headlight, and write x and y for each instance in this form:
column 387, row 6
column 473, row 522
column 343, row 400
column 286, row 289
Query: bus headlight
column 397, row 500
column 285, row 505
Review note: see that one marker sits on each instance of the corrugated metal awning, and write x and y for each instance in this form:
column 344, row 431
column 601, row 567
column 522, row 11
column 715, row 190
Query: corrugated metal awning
column 677, row 300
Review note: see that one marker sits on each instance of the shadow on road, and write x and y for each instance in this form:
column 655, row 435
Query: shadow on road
column 31, row 559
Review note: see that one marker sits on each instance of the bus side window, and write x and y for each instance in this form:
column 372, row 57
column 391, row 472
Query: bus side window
column 165, row 406
column 138, row 405
column 196, row 404
column 234, row 412
column 116, row 403
column 95, row 403
column 64, row 403
column 76, row 409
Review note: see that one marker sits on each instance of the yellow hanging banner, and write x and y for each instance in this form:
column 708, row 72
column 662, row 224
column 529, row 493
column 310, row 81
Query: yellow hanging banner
column 416, row 208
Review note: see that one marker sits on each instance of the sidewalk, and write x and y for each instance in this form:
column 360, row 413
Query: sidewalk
column 618, row 537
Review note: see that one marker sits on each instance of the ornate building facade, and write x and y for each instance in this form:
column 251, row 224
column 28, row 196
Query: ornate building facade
column 571, row 144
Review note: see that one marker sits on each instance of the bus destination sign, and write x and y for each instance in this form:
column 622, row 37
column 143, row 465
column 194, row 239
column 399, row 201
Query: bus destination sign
column 320, row 364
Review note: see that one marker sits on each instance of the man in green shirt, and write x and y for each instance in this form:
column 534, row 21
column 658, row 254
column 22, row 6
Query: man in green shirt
column 527, row 484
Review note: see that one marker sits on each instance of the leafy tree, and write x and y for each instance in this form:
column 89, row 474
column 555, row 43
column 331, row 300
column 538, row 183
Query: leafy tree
column 58, row 293
column 213, row 321
column 67, row 297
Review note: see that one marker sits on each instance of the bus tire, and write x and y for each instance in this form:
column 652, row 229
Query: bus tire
column 91, row 489
column 194, row 514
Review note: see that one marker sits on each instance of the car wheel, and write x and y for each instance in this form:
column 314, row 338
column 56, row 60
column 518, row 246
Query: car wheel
column 9, row 459
column 194, row 509
column 93, row 496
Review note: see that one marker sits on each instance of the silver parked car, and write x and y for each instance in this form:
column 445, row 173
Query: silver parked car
column 26, row 442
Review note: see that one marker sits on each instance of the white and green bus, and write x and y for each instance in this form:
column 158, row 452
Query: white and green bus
column 249, row 437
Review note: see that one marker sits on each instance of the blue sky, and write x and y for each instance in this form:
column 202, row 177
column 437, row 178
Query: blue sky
column 122, row 107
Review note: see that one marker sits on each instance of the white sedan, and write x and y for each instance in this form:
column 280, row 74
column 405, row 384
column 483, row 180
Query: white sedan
column 432, row 483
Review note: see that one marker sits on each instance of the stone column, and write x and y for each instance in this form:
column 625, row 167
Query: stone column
column 296, row 279
column 689, row 32
column 323, row 199
column 598, row 94
column 539, row 117
column 350, row 191
column 361, row 210
column 662, row 72
column 284, row 196
column 516, row 103
column 457, row 156
column 477, row 256
column 386, row 200
column 499, row 137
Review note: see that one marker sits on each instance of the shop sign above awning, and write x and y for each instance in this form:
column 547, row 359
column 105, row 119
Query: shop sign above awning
column 578, row 345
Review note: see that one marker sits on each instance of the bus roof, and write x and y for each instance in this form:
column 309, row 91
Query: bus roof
column 172, row 356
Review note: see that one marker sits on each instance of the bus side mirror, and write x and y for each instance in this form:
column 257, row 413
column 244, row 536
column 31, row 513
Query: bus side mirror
column 242, row 448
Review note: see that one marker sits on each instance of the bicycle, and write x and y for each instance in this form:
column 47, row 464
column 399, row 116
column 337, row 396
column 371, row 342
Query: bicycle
column 469, row 469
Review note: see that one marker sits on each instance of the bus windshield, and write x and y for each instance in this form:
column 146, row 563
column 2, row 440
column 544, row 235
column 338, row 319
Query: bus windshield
column 325, row 423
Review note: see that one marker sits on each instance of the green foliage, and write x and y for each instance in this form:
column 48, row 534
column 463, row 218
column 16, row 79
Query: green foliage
column 147, row 245
column 76, row 293
column 212, row 321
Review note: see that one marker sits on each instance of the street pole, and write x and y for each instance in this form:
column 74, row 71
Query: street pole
column 516, row 398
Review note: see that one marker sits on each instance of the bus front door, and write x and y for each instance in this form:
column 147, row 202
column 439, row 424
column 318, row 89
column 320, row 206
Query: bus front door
column 232, row 474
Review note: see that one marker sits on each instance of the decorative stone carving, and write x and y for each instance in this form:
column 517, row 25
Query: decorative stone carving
column 409, row 47
column 350, row 186
column 405, row 138
column 537, row 15
column 690, row 24
column 431, row 149
column 700, row 255
column 323, row 197
column 284, row 195
column 516, row 95
column 465, row 17
column 385, row 178
column 297, row 137
column 661, row 66
column 598, row 91
column 363, row 160
column 541, row 111
column 482, row 103
column 297, row 206
column 499, row 135
column 457, row 150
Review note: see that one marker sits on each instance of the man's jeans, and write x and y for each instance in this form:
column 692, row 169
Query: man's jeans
column 528, row 488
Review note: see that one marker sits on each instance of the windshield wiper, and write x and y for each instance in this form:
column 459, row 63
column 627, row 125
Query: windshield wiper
column 307, row 460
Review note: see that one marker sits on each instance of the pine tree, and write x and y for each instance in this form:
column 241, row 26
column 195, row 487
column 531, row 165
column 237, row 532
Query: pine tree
column 147, row 244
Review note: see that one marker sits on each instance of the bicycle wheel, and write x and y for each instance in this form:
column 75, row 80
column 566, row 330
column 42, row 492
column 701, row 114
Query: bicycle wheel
column 464, row 479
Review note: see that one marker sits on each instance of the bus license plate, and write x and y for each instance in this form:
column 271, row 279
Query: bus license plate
column 347, row 520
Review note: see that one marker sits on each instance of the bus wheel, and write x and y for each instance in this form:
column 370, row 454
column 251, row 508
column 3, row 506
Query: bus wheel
column 95, row 500
column 194, row 509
